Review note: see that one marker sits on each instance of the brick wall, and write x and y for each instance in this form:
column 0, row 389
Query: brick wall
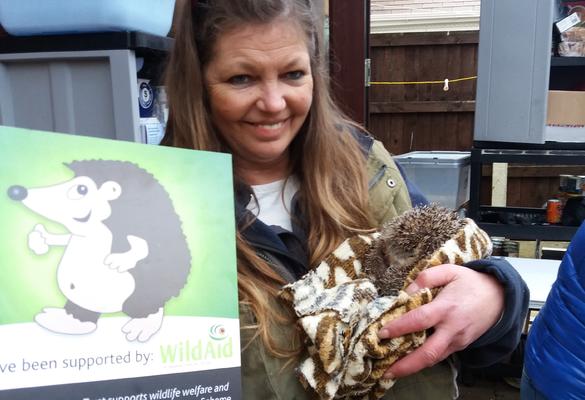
column 393, row 16
column 411, row 7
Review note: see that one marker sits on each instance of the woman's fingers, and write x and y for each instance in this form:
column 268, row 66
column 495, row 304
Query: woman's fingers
column 426, row 316
column 433, row 277
column 466, row 307
column 419, row 319
column 435, row 349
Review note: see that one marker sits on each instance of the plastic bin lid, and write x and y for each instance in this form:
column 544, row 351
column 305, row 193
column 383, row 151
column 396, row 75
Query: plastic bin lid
column 434, row 157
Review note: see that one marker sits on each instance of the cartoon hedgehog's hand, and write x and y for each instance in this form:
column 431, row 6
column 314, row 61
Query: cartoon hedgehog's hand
column 128, row 260
column 120, row 261
column 37, row 240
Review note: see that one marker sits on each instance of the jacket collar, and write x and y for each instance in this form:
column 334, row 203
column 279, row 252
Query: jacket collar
column 278, row 241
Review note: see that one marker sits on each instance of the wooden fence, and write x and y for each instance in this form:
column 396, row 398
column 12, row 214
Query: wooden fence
column 423, row 116
column 410, row 117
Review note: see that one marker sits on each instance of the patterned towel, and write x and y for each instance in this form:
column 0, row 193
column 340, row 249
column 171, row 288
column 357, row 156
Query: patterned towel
column 341, row 311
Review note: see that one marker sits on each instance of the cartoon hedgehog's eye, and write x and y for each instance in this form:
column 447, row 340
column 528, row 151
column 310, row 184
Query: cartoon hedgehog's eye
column 78, row 191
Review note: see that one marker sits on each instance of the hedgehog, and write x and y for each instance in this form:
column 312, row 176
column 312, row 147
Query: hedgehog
column 343, row 302
column 125, row 249
column 405, row 241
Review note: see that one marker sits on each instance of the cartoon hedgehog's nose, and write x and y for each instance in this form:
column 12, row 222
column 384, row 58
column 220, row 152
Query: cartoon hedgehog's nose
column 17, row 193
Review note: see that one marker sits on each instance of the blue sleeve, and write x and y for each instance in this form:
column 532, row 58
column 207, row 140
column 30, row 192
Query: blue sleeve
column 503, row 338
column 416, row 196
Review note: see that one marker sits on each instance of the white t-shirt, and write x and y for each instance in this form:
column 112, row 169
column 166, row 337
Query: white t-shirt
column 273, row 208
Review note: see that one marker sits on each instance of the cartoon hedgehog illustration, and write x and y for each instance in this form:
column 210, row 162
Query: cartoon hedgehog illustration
column 125, row 250
column 405, row 241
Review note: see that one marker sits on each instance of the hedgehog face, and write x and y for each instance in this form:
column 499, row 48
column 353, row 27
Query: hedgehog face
column 407, row 239
column 75, row 204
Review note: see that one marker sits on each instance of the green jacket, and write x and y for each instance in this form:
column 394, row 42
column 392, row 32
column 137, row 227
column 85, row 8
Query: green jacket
column 265, row 377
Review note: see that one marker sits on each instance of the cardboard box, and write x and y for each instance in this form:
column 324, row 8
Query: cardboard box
column 566, row 108
column 565, row 120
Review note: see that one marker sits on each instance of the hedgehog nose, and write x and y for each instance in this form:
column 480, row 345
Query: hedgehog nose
column 17, row 193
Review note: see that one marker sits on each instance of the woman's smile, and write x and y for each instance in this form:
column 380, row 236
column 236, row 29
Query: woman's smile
column 269, row 130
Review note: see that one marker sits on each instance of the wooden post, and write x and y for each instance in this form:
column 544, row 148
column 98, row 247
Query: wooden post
column 349, row 27
column 499, row 184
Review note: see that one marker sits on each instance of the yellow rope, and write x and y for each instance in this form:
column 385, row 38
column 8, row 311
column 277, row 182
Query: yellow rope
column 424, row 82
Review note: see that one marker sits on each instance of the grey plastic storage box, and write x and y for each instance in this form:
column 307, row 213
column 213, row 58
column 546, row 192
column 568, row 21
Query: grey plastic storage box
column 45, row 17
column 442, row 176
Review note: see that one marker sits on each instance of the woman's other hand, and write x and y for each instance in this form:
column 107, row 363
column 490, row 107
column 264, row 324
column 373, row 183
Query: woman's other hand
column 468, row 305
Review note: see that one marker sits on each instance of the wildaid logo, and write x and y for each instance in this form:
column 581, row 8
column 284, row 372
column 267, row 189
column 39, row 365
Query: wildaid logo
column 219, row 345
column 217, row 332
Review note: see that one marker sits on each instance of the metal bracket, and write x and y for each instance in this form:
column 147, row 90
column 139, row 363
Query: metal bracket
column 368, row 71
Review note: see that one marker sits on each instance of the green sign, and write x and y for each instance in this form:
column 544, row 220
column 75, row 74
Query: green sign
column 118, row 270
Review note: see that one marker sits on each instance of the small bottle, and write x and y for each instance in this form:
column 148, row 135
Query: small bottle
column 553, row 211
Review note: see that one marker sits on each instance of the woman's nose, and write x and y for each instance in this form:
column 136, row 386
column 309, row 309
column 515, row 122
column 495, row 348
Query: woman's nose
column 272, row 98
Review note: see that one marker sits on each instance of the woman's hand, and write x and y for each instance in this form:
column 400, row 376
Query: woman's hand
column 468, row 305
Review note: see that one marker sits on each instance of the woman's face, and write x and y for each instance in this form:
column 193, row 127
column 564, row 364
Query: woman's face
column 260, row 90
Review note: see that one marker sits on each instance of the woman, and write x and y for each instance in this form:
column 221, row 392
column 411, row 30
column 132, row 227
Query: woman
column 554, row 358
column 247, row 77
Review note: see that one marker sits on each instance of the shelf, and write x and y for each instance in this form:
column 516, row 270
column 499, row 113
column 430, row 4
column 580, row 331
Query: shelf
column 518, row 222
column 533, row 227
column 86, row 41
column 491, row 145
column 533, row 156
column 530, row 232
column 567, row 62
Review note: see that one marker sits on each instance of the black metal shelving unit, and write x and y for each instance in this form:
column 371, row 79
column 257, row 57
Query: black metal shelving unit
column 567, row 62
column 547, row 154
column 530, row 232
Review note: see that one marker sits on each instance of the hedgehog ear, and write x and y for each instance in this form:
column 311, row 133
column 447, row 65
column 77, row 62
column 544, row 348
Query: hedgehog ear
column 111, row 190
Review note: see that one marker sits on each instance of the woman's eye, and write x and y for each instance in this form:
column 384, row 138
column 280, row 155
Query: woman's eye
column 295, row 75
column 239, row 79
